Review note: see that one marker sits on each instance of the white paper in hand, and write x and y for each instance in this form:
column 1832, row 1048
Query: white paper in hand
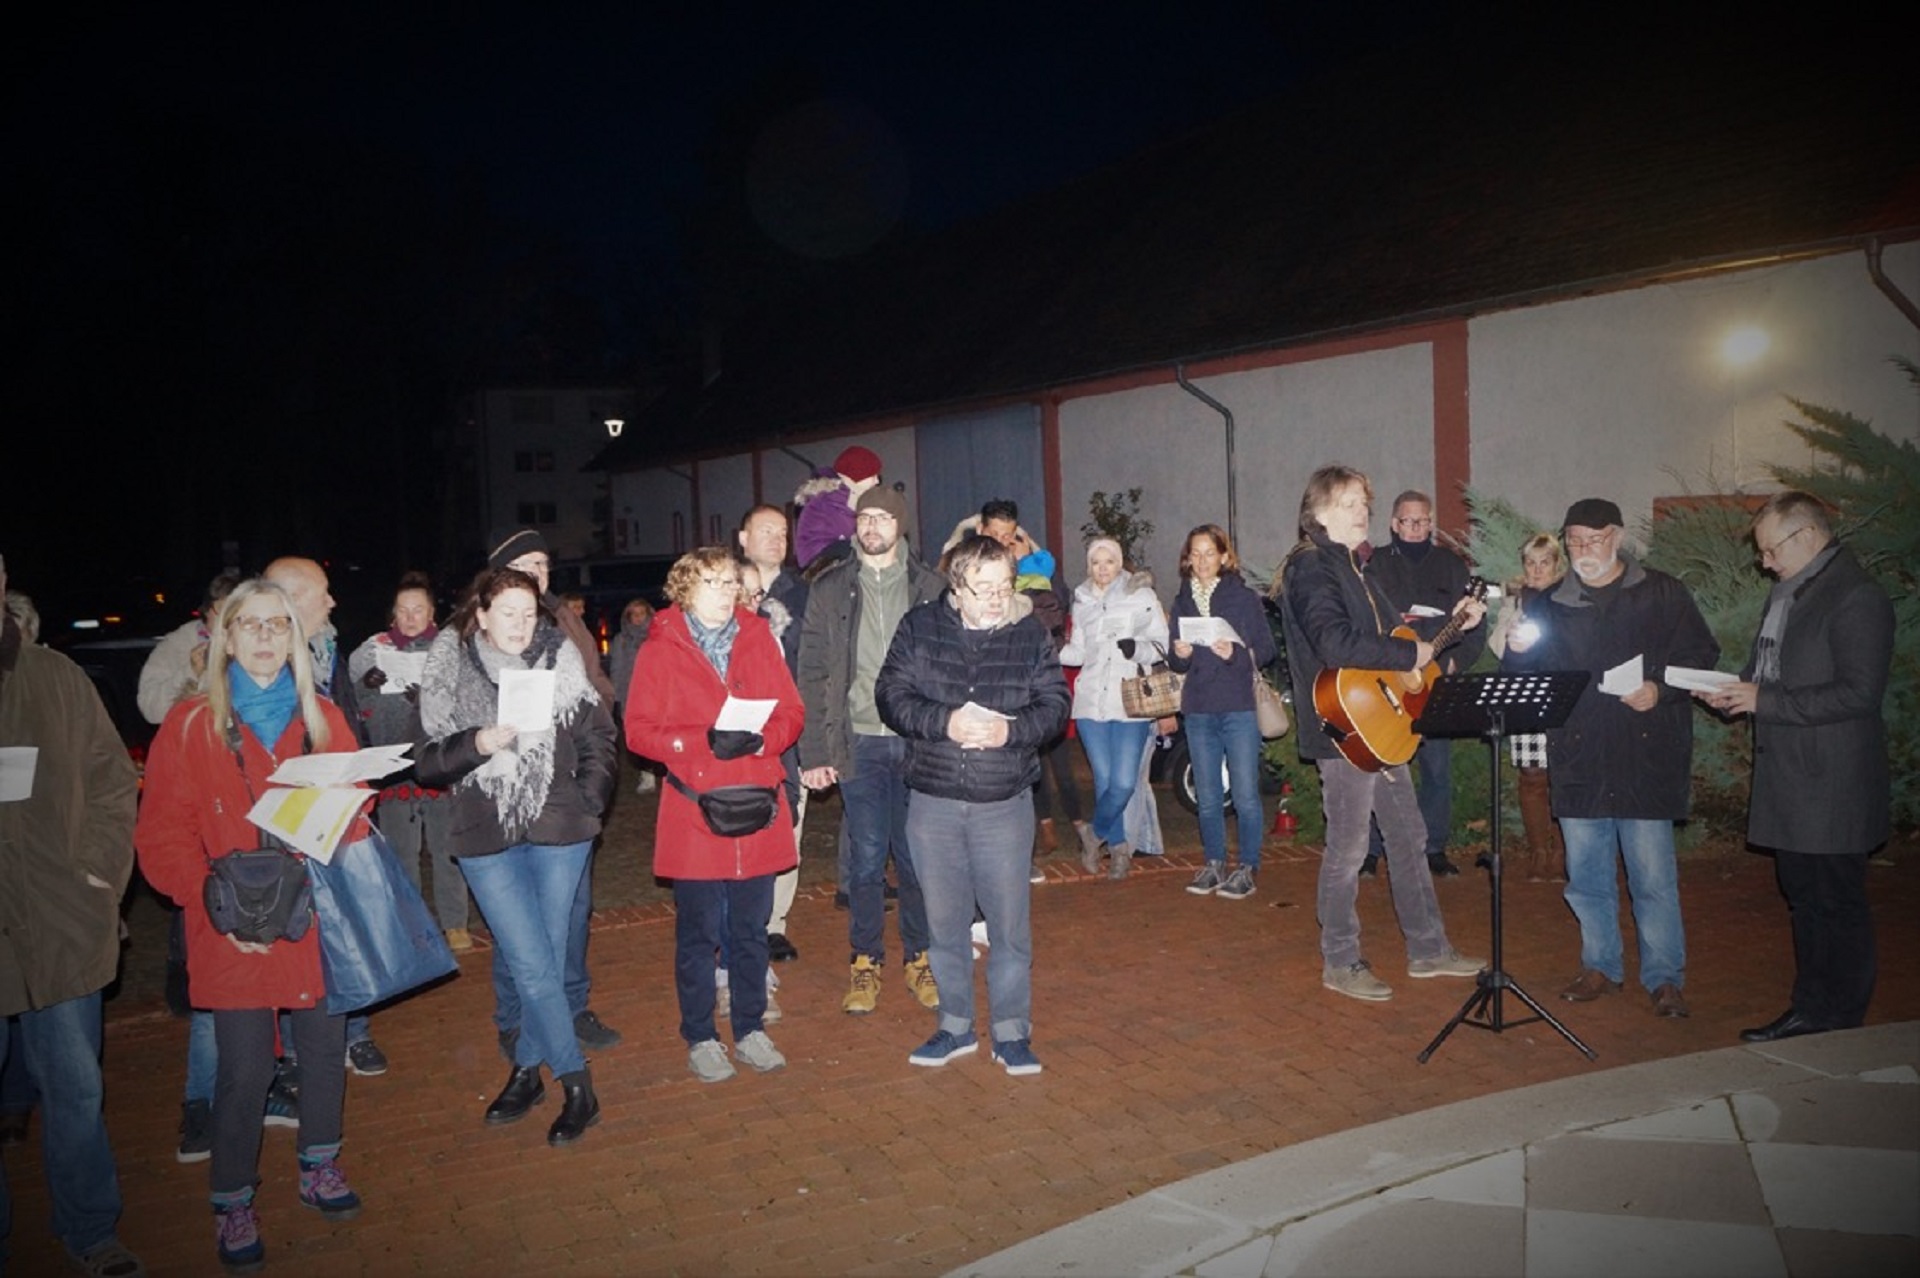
column 526, row 699
column 1695, row 680
column 742, row 715
column 1623, row 678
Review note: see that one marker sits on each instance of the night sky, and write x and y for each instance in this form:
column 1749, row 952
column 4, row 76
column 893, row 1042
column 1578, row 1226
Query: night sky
column 256, row 258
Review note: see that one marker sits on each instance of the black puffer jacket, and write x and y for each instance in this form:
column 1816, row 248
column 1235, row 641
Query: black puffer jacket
column 1609, row 760
column 936, row 665
column 1333, row 616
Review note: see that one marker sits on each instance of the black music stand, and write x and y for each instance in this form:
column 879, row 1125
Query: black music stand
column 1493, row 706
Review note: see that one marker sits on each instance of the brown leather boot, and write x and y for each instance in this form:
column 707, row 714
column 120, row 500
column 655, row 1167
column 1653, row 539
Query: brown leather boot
column 1536, row 817
column 1043, row 831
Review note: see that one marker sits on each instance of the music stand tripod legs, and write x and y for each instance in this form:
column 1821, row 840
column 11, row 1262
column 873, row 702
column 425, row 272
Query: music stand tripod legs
column 1481, row 703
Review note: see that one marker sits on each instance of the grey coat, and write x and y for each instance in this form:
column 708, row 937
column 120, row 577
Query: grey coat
column 1820, row 773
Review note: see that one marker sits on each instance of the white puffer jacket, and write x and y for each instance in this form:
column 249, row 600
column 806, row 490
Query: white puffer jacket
column 1126, row 609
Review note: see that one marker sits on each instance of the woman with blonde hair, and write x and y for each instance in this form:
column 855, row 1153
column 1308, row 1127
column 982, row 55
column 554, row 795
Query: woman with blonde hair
column 1542, row 564
column 205, row 769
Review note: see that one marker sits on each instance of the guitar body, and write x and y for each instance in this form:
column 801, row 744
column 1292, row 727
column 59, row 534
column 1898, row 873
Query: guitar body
column 1370, row 713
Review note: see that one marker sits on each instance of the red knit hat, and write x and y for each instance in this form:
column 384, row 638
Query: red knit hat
column 857, row 463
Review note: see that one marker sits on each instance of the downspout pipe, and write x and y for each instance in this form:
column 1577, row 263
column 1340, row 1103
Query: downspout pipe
column 1233, row 490
column 1887, row 286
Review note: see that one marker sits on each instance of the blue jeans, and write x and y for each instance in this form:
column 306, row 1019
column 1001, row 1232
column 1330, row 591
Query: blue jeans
column 1653, row 881
column 875, row 802
column 729, row 915
column 526, row 894
column 62, row 1047
column 1354, row 799
column 1233, row 736
column 203, row 1057
column 978, row 854
column 1113, row 749
column 506, row 998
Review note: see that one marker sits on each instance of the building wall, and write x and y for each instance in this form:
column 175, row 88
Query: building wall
column 560, row 428
column 1630, row 395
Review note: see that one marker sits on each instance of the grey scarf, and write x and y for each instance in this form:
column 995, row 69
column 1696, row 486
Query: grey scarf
column 1773, row 626
column 460, row 691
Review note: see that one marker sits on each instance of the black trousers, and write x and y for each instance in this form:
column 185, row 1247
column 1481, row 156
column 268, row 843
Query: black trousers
column 245, row 1041
column 1835, row 961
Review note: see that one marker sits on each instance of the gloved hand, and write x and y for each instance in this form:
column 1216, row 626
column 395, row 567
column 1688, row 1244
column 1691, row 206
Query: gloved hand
column 1127, row 647
column 732, row 744
column 375, row 677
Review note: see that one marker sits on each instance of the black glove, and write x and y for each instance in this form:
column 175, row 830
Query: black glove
column 1126, row 648
column 731, row 744
column 412, row 694
column 375, row 677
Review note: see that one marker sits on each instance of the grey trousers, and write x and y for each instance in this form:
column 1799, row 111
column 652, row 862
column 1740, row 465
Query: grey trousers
column 1353, row 800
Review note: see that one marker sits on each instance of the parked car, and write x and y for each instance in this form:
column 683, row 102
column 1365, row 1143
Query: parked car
column 114, row 665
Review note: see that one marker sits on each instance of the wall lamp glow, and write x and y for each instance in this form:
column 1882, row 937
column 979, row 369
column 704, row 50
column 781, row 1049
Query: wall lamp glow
column 1744, row 345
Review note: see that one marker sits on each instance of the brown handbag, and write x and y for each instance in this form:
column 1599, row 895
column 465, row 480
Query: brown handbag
column 1269, row 708
column 1153, row 693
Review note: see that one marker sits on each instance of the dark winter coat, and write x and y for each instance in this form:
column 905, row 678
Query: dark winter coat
column 827, row 656
column 936, row 665
column 1436, row 580
column 1334, row 615
column 1610, row 760
column 1820, row 775
column 1214, row 686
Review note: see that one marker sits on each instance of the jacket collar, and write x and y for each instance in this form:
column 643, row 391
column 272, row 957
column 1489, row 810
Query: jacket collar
column 1572, row 592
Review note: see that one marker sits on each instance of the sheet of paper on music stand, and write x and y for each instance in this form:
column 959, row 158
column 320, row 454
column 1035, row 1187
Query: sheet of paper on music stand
column 17, row 766
column 740, row 714
column 526, row 699
column 403, row 669
column 1695, row 680
column 1202, row 631
column 1623, row 678
column 369, row 764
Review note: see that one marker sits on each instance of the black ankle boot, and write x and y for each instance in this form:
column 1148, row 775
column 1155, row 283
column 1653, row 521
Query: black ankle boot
column 579, row 1111
column 522, row 1092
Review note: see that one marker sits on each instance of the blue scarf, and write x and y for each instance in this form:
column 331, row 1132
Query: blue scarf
column 717, row 642
column 267, row 711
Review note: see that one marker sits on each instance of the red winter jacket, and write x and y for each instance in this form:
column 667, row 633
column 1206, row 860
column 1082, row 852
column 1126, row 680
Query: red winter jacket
column 194, row 806
column 675, row 697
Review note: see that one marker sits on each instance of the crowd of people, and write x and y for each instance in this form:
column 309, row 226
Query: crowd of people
column 940, row 701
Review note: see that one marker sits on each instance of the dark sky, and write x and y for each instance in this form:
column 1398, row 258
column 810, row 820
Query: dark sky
column 181, row 170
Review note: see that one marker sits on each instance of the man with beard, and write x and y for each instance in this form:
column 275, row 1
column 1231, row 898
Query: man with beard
column 853, row 609
column 1622, row 763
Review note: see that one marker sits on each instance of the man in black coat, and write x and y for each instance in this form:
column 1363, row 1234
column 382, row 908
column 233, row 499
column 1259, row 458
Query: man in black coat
column 1425, row 580
column 1623, row 762
column 1822, row 789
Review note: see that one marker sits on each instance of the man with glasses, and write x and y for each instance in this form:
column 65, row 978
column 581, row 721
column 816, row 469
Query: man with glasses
column 1425, row 580
column 1623, row 762
column 974, row 687
column 853, row 609
column 1822, row 787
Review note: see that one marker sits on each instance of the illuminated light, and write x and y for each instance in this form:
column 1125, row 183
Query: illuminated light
column 615, row 425
column 1744, row 345
column 89, row 624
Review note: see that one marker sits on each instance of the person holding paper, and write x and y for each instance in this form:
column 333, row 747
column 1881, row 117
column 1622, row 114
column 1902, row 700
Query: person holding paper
column 210, row 762
column 972, row 685
column 387, row 668
column 705, row 656
column 524, row 743
column 1623, row 761
column 1216, row 702
column 1336, row 616
column 1542, row 565
column 1118, row 628
column 1822, row 787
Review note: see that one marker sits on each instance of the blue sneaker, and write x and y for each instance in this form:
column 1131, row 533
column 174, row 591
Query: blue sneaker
column 1016, row 1056
column 944, row 1047
column 324, row 1189
column 237, row 1237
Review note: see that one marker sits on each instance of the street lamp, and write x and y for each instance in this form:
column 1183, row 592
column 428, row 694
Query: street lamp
column 615, row 425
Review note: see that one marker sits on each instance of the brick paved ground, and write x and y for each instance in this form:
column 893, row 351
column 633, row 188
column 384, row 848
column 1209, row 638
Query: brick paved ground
column 1179, row 1035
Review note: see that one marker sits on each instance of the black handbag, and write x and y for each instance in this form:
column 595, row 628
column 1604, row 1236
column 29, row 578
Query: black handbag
column 260, row 895
column 733, row 811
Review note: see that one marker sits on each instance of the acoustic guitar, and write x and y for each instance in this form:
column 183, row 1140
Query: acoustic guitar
column 1369, row 713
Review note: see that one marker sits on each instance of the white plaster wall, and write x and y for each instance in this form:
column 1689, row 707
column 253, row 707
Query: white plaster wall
column 1627, row 395
column 1371, row 410
column 647, row 501
column 726, row 493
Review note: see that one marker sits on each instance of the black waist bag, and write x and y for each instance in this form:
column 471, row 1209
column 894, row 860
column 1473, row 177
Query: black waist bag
column 262, row 895
column 733, row 811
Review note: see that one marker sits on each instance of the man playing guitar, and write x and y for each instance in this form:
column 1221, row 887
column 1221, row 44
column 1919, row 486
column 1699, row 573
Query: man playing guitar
column 1335, row 617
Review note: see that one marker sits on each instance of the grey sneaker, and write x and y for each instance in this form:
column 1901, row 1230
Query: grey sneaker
column 1451, row 963
column 1239, row 884
column 1208, row 881
column 1356, row 980
column 709, row 1062
column 758, row 1051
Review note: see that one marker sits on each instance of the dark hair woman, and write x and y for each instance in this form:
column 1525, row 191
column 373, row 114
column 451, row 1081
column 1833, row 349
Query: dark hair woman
column 527, row 800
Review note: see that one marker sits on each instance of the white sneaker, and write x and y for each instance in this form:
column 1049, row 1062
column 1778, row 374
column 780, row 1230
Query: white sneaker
column 709, row 1062
column 758, row 1051
column 980, row 940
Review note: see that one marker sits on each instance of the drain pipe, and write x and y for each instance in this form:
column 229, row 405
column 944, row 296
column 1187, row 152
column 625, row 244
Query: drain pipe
column 1233, row 498
column 1887, row 286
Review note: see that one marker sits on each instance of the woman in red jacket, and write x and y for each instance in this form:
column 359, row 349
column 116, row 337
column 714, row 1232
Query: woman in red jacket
column 699, row 652
column 205, row 769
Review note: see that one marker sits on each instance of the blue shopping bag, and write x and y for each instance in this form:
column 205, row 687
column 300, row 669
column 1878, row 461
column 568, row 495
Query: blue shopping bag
column 377, row 937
